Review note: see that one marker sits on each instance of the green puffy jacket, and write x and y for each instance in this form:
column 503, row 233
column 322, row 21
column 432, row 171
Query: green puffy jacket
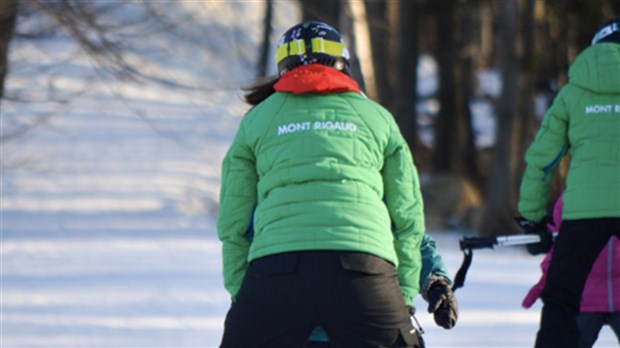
column 320, row 172
column 583, row 122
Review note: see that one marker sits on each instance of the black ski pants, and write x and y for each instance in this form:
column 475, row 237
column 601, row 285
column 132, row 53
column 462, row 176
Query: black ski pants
column 576, row 248
column 355, row 297
column 591, row 323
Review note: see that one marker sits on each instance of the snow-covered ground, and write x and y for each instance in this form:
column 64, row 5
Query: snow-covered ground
column 108, row 212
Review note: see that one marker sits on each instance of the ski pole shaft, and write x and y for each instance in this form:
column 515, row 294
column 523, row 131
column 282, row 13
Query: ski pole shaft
column 518, row 240
column 490, row 242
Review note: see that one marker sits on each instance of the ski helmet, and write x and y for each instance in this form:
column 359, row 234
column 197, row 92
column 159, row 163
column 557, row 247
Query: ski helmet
column 608, row 32
column 311, row 42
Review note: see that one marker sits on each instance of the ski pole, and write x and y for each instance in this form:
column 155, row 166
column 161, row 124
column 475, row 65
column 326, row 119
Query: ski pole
column 468, row 244
column 490, row 242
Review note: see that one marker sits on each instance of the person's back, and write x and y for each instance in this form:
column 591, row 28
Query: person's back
column 583, row 122
column 321, row 214
column 320, row 160
column 587, row 111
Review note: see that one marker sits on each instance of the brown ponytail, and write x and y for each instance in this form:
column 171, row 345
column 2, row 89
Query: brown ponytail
column 260, row 90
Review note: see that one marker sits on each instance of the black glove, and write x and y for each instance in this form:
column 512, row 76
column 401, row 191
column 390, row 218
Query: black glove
column 441, row 302
column 540, row 229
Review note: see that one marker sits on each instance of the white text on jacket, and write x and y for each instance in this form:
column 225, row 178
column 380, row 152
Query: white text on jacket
column 317, row 125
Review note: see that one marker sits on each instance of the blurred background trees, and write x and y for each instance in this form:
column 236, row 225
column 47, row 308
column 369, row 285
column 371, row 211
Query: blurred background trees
column 497, row 63
column 527, row 44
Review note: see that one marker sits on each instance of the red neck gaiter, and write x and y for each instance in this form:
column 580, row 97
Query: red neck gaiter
column 316, row 78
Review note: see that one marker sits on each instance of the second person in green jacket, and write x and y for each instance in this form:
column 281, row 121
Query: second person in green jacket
column 583, row 123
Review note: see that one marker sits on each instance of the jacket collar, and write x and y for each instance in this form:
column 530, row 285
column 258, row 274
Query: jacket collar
column 316, row 78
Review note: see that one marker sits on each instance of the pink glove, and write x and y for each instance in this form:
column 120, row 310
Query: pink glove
column 533, row 294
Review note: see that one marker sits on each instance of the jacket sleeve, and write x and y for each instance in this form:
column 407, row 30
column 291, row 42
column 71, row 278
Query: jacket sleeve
column 542, row 158
column 237, row 201
column 432, row 263
column 406, row 208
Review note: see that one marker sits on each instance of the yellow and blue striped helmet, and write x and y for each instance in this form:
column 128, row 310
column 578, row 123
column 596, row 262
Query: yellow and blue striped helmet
column 309, row 43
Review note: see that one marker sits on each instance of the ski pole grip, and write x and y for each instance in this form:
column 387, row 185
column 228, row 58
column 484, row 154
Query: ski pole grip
column 477, row 243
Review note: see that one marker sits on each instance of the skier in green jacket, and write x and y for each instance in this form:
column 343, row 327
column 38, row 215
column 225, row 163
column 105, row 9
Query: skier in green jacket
column 321, row 214
column 583, row 122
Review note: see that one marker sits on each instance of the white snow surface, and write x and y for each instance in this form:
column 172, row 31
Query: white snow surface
column 108, row 209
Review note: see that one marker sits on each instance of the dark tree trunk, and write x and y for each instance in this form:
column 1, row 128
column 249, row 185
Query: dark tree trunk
column 326, row 11
column 263, row 63
column 380, row 38
column 468, row 153
column 526, row 124
column 8, row 19
column 405, row 72
column 499, row 208
column 446, row 126
column 454, row 148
